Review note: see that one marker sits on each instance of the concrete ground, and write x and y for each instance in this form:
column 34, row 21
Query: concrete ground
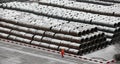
column 15, row 54
column 11, row 53
column 106, row 53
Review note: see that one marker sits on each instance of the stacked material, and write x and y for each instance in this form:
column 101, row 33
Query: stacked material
column 99, row 2
column 86, row 7
column 114, row 1
column 75, row 38
column 70, row 11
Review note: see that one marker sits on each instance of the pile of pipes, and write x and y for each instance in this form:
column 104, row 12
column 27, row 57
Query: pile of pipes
column 86, row 7
column 100, row 1
column 75, row 38
column 103, row 17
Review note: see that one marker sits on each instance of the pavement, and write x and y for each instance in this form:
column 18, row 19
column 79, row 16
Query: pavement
column 11, row 53
column 106, row 53
column 16, row 54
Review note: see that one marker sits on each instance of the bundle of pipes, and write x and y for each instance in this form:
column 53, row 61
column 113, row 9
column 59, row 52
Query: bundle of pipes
column 99, row 2
column 64, row 13
column 114, row 1
column 50, row 33
column 105, row 9
column 108, row 24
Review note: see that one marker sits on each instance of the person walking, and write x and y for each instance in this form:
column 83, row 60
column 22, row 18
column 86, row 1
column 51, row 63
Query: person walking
column 62, row 52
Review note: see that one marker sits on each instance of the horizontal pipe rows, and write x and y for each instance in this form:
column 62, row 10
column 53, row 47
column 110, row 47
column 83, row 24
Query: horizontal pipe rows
column 83, row 38
column 108, row 29
column 75, row 32
column 70, row 5
column 55, row 27
column 101, row 28
column 46, row 23
column 41, row 44
column 87, row 7
column 71, row 48
column 78, row 30
column 76, row 38
column 51, row 39
column 114, row 1
column 49, row 33
column 64, row 13
column 112, row 34
column 104, row 3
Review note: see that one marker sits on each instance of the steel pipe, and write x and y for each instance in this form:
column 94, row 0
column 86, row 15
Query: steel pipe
column 17, row 33
column 5, row 30
column 35, row 43
column 22, row 40
column 45, row 45
column 21, row 34
column 74, row 45
column 73, row 51
column 65, row 48
column 12, row 37
column 46, row 39
column 55, row 47
column 32, row 30
column 3, row 35
column 108, row 29
column 49, row 34
column 56, row 41
column 37, row 38
column 28, row 36
column 40, row 32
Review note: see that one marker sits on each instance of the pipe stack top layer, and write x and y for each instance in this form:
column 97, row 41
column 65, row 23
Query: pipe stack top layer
column 86, row 6
column 80, row 16
column 43, row 22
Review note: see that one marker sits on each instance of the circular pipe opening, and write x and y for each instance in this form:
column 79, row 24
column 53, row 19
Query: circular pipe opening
column 79, row 34
column 82, row 40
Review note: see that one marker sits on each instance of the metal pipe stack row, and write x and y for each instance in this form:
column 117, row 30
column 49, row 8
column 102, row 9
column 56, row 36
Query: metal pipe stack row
column 105, row 9
column 63, row 13
column 108, row 24
column 50, row 33
column 99, row 2
column 114, row 1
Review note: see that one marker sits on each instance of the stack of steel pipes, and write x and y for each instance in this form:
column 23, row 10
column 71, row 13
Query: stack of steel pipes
column 75, row 38
column 81, row 6
column 105, row 21
column 113, row 1
column 99, row 2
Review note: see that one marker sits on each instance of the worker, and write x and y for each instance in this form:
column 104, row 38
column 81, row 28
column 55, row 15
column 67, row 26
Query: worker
column 62, row 53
